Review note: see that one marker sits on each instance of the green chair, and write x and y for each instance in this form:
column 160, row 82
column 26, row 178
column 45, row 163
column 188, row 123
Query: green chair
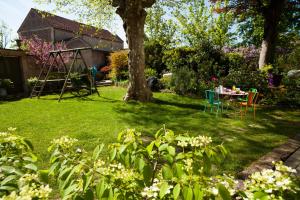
column 246, row 99
column 213, row 100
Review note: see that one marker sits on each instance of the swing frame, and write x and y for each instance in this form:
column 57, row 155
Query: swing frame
column 57, row 56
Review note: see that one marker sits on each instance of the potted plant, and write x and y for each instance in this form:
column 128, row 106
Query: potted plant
column 274, row 75
column 5, row 84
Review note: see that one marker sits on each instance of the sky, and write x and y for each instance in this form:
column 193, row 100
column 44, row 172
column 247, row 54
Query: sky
column 13, row 12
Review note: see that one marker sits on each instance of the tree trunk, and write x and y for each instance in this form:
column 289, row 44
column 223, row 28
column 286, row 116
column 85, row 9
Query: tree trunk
column 272, row 16
column 133, row 15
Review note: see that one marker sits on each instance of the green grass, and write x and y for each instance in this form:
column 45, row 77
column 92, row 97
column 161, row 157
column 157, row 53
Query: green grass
column 95, row 120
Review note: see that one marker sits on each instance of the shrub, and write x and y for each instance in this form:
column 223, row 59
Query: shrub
column 40, row 49
column 32, row 81
column 287, row 95
column 154, row 51
column 149, row 72
column 184, row 81
column 246, row 79
column 105, row 69
column 19, row 177
column 168, row 167
column 6, row 83
column 190, row 66
column 119, row 65
column 166, row 82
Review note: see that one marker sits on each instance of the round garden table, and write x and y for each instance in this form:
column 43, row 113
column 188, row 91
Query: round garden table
column 231, row 95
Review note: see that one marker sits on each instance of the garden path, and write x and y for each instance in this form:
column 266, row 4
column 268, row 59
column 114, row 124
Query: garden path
column 294, row 161
column 288, row 152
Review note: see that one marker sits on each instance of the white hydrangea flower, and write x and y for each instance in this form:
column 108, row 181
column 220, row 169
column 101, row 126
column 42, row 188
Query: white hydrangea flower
column 152, row 192
column 29, row 188
column 200, row 141
column 188, row 164
column 214, row 191
column 65, row 141
column 11, row 129
column 182, row 144
column 4, row 134
column 11, row 138
column 270, row 181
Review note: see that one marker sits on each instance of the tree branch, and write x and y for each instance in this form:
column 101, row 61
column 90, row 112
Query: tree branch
column 148, row 3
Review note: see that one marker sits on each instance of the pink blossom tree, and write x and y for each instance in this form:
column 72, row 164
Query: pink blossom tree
column 40, row 50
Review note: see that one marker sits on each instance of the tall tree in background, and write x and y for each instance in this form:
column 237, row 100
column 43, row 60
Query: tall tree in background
column 272, row 13
column 5, row 33
column 161, row 33
column 133, row 14
column 199, row 24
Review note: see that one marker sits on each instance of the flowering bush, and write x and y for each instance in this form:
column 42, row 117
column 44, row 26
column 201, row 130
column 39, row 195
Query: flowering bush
column 118, row 61
column 270, row 184
column 40, row 49
column 105, row 69
column 18, row 172
column 168, row 167
column 32, row 81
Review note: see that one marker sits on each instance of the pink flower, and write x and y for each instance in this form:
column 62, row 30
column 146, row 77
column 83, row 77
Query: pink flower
column 40, row 49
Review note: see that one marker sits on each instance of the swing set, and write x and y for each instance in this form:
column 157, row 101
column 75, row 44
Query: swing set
column 56, row 64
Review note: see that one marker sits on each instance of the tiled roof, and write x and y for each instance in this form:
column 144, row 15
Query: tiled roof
column 75, row 27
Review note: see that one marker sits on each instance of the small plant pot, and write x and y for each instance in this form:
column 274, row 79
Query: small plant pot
column 3, row 92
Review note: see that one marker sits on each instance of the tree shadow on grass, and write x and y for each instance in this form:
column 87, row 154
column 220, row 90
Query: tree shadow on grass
column 177, row 116
column 247, row 139
column 177, row 104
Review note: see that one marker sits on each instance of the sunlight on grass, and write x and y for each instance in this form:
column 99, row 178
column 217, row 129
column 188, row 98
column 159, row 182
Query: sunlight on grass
column 93, row 120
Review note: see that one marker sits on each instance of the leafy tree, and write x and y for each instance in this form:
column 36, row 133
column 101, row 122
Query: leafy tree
column 199, row 24
column 266, row 19
column 160, row 26
column 133, row 13
column 40, row 49
column 4, row 35
column 160, row 37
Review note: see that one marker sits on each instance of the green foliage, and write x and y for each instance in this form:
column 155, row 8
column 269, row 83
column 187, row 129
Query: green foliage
column 6, row 83
column 32, row 81
column 235, row 60
column 154, row 51
column 184, row 81
column 169, row 166
column 166, row 82
column 194, row 66
column 159, row 27
column 245, row 79
column 150, row 72
column 44, row 120
column 18, row 171
column 251, row 30
column 135, row 170
column 119, row 65
column 199, row 23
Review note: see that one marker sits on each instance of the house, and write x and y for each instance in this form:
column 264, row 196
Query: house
column 52, row 28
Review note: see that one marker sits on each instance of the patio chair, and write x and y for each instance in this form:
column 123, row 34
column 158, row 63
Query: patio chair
column 250, row 103
column 246, row 98
column 213, row 100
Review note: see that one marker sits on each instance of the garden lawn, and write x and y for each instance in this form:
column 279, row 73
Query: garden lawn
column 93, row 120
